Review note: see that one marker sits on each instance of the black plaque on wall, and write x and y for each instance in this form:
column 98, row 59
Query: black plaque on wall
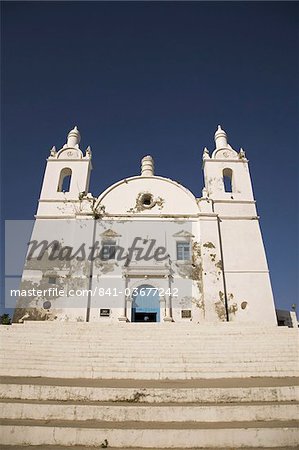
column 186, row 313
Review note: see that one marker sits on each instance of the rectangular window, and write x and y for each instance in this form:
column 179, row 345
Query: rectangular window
column 108, row 250
column 52, row 280
column 183, row 251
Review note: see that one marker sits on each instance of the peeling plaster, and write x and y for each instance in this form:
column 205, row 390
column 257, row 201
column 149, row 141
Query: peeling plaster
column 220, row 307
column 69, row 275
column 209, row 245
column 213, row 256
column 139, row 206
column 219, row 265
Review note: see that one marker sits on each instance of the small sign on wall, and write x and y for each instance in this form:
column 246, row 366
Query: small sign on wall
column 104, row 312
column 186, row 313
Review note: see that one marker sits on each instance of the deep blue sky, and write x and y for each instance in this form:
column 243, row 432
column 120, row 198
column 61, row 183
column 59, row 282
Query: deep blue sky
column 151, row 77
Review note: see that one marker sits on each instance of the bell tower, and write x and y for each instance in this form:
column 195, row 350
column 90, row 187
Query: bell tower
column 66, row 176
column 228, row 190
column 226, row 173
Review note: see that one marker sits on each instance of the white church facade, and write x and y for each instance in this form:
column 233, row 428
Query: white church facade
column 146, row 249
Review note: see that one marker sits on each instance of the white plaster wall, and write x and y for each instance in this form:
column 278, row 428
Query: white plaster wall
column 254, row 288
column 243, row 247
column 234, row 208
column 246, row 271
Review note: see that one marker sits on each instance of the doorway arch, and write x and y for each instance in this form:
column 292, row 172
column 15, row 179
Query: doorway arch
column 146, row 304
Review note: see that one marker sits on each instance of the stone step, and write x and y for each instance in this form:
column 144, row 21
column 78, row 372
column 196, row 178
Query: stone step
column 189, row 329
column 151, row 349
column 144, row 375
column 80, row 447
column 192, row 346
column 185, row 412
column 113, row 364
column 148, row 391
column 174, row 357
column 159, row 362
column 151, row 358
column 133, row 329
column 188, row 326
column 102, row 335
column 150, row 434
column 172, row 353
column 199, row 339
column 149, row 346
column 93, row 341
column 101, row 367
column 93, row 345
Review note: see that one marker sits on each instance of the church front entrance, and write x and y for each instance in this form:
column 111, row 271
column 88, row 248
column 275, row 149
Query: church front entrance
column 146, row 304
column 145, row 317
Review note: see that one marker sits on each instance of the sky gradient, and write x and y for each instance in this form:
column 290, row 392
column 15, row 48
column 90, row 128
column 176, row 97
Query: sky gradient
column 156, row 78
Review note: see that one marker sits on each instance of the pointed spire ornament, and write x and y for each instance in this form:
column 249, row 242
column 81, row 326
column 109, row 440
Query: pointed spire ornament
column 205, row 154
column 53, row 151
column 204, row 192
column 242, row 154
column 88, row 152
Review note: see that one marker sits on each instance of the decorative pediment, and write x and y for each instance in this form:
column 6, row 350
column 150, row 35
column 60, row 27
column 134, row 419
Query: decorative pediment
column 110, row 234
column 183, row 234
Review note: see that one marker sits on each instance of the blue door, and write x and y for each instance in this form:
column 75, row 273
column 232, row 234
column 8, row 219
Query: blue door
column 146, row 304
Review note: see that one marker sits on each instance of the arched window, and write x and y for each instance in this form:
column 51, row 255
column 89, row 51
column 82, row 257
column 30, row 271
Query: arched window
column 64, row 180
column 227, row 180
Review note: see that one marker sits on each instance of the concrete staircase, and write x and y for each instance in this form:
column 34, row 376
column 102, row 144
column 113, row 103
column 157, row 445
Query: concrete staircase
column 148, row 386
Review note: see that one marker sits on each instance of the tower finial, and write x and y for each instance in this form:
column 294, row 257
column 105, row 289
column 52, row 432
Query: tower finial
column 147, row 166
column 73, row 138
column 220, row 138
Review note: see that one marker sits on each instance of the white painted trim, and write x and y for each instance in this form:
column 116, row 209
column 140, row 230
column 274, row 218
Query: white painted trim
column 229, row 200
column 246, row 271
column 239, row 217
